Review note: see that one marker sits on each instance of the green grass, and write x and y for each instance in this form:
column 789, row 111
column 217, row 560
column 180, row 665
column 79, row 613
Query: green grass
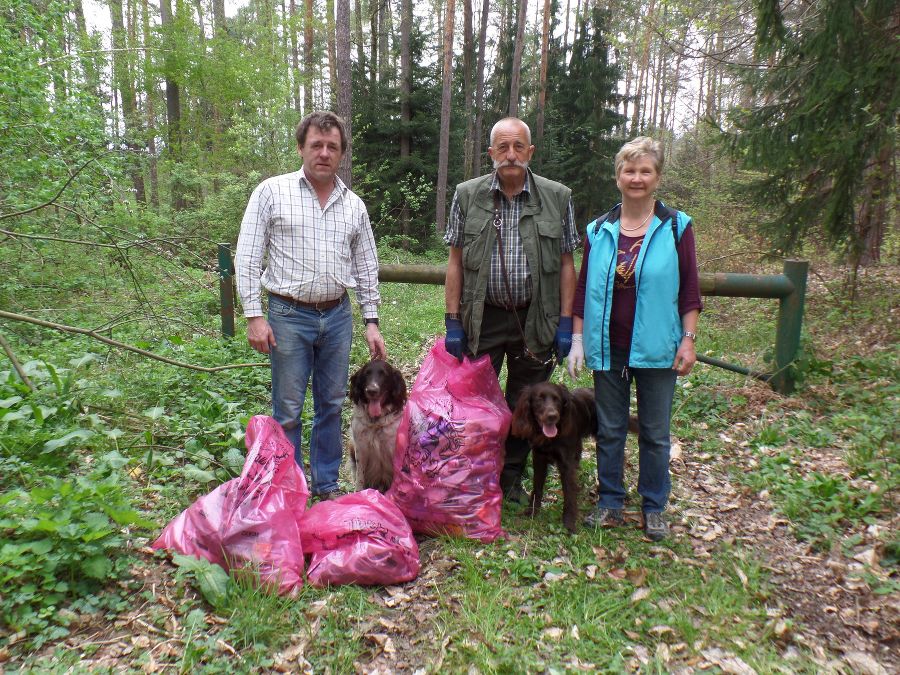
column 142, row 440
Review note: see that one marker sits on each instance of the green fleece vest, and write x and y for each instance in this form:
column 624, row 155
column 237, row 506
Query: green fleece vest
column 540, row 227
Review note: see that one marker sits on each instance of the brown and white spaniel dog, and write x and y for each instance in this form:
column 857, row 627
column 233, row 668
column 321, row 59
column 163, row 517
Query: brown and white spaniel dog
column 378, row 394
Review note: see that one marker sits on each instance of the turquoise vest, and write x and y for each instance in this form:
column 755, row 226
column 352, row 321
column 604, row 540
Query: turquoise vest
column 540, row 227
column 657, row 324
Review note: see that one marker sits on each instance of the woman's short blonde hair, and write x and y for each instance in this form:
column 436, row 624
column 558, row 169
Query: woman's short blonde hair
column 640, row 147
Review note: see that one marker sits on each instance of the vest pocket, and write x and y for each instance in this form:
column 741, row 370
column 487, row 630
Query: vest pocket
column 550, row 243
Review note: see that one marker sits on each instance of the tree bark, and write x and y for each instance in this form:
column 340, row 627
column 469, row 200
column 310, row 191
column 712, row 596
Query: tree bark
column 125, row 85
column 444, row 140
column 295, row 58
column 150, row 93
column 406, row 14
column 479, row 90
column 468, row 94
column 516, row 74
column 360, row 43
column 542, row 84
column 332, row 54
column 308, row 65
column 345, row 84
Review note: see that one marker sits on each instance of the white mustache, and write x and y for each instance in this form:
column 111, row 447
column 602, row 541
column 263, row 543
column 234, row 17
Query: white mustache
column 499, row 164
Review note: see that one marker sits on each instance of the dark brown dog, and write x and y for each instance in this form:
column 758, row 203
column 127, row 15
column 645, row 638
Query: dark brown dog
column 554, row 420
column 378, row 394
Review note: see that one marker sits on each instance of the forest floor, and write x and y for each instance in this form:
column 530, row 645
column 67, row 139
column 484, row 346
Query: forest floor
column 831, row 609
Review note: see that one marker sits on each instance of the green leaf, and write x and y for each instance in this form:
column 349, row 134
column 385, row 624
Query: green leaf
column 9, row 402
column 114, row 459
column 211, row 578
column 154, row 413
column 41, row 546
column 83, row 360
column 96, row 567
column 79, row 435
column 194, row 473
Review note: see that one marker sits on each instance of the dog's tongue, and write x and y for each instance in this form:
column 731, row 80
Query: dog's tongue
column 374, row 408
column 549, row 430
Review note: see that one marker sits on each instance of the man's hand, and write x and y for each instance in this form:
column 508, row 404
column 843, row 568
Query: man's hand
column 260, row 335
column 375, row 341
column 686, row 357
column 575, row 360
column 456, row 342
column 562, row 343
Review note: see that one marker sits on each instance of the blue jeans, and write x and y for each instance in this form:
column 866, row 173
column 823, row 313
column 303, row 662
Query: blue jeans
column 655, row 390
column 312, row 343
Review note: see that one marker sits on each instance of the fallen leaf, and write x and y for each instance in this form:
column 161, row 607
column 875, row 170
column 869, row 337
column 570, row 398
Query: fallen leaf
column 863, row 664
column 639, row 595
column 591, row 571
column 661, row 630
column 741, row 576
column 617, row 573
column 552, row 633
column 868, row 557
column 637, row 576
column 729, row 663
column 662, row 652
column 140, row 641
column 550, row 577
column 631, row 634
column 675, row 451
column 574, row 633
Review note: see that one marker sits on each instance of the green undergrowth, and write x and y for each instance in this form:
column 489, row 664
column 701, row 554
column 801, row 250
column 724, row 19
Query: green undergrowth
column 109, row 446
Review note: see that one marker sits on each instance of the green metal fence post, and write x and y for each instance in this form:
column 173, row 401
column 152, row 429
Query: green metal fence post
column 790, row 321
column 226, row 290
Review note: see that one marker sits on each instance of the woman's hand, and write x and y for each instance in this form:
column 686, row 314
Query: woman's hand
column 685, row 357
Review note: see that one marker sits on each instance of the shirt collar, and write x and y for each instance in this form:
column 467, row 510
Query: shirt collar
column 337, row 181
column 495, row 182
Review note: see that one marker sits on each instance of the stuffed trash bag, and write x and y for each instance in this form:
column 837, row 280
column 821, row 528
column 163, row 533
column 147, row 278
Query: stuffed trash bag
column 250, row 521
column 360, row 538
column 450, row 449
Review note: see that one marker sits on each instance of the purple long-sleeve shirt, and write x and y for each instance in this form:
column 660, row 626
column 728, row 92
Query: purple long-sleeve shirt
column 621, row 320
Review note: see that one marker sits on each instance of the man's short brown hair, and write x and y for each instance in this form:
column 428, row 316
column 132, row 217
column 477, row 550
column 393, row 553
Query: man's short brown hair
column 323, row 120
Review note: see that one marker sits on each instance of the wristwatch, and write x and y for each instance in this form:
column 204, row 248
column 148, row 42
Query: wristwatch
column 372, row 319
column 689, row 334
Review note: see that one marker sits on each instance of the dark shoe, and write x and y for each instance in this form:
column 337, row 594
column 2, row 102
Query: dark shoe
column 601, row 517
column 655, row 526
column 517, row 495
column 334, row 493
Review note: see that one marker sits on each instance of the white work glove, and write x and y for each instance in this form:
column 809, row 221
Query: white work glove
column 575, row 359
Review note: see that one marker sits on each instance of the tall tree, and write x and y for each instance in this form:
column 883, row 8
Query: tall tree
column 479, row 91
column 444, row 138
column 332, row 55
column 825, row 136
column 345, row 84
column 309, row 66
column 516, row 73
column 542, row 84
column 468, row 94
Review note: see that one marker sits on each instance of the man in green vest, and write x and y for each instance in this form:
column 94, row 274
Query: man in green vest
column 511, row 276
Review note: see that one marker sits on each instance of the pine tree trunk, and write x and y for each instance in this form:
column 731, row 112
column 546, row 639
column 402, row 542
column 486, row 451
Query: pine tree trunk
column 406, row 15
column 479, row 90
column 360, row 42
column 308, row 65
column 468, row 95
column 219, row 25
column 149, row 86
column 373, row 42
column 516, row 74
column 872, row 220
column 295, row 58
column 332, row 54
column 345, row 86
column 384, row 30
column 636, row 125
column 444, row 140
column 542, row 85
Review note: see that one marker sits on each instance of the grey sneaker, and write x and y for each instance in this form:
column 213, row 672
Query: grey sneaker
column 655, row 526
column 601, row 517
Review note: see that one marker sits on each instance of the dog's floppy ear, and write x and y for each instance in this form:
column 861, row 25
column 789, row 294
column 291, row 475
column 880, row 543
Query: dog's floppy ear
column 523, row 423
column 397, row 388
column 567, row 421
column 356, row 384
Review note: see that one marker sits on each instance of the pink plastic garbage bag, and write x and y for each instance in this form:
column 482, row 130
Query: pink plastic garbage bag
column 360, row 538
column 450, row 448
column 250, row 521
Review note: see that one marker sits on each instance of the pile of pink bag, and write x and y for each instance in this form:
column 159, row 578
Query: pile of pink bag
column 250, row 521
column 450, row 449
column 360, row 538
column 259, row 521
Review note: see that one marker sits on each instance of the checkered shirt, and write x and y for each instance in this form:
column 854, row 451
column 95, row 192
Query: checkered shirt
column 314, row 253
column 513, row 253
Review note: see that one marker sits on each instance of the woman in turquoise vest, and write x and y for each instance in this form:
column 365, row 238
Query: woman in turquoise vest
column 635, row 320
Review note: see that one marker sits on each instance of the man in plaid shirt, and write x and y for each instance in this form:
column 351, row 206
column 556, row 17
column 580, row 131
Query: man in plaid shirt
column 316, row 236
column 511, row 276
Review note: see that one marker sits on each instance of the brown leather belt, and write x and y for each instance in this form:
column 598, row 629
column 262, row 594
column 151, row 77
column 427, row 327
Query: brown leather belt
column 318, row 306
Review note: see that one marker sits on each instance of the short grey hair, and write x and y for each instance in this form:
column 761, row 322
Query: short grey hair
column 642, row 146
column 510, row 119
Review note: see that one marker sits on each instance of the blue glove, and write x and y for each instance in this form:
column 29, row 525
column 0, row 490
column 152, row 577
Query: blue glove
column 456, row 342
column 562, row 343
